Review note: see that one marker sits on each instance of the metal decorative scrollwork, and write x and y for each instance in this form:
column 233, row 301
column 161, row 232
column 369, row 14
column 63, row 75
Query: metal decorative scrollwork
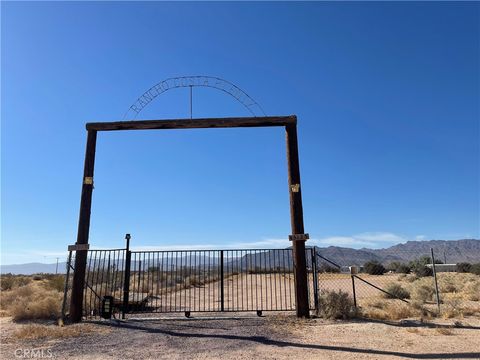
column 194, row 81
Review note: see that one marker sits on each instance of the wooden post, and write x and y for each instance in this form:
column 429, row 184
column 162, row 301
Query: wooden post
column 296, row 219
column 76, row 302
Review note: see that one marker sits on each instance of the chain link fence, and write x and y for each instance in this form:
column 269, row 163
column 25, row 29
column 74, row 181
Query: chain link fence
column 400, row 284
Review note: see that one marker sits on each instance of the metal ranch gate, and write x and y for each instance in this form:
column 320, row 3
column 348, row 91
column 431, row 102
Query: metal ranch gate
column 187, row 281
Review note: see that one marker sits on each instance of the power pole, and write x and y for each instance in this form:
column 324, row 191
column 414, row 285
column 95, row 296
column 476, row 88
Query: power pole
column 56, row 268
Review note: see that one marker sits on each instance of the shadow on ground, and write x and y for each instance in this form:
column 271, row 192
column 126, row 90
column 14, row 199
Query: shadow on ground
column 263, row 340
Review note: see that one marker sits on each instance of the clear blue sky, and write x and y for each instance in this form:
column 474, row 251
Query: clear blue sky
column 387, row 97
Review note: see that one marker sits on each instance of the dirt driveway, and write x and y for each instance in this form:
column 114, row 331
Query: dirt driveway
column 250, row 337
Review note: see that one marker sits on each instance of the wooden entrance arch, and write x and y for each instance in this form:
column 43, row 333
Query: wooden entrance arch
column 298, row 236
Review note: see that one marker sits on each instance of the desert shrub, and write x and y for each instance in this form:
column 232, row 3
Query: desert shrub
column 419, row 267
column 471, row 290
column 326, row 268
column 397, row 290
column 454, row 307
column 450, row 282
column 393, row 266
column 56, row 282
column 336, row 305
column 46, row 307
column 32, row 301
column 37, row 277
column 388, row 310
column 22, row 280
column 423, row 291
column 374, row 268
column 423, row 271
column 411, row 278
column 463, row 267
column 475, row 269
column 398, row 267
column 7, row 282
column 403, row 269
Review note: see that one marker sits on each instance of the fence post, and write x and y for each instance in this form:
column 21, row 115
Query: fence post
column 437, row 295
column 126, row 280
column 222, row 295
column 315, row 278
column 353, row 270
column 65, row 289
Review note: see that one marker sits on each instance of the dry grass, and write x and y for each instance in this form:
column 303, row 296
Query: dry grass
column 336, row 305
column 389, row 310
column 35, row 331
column 459, row 293
column 31, row 301
column 423, row 289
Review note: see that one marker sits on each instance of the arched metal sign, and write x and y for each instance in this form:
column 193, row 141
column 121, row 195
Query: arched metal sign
column 189, row 82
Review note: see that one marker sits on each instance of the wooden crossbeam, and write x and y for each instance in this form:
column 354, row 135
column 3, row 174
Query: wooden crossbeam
column 194, row 123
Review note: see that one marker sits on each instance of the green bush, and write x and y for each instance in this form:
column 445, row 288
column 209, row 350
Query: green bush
column 22, row 280
column 336, row 305
column 325, row 268
column 56, row 282
column 393, row 266
column 397, row 291
column 423, row 271
column 374, row 268
column 7, row 282
column 423, row 292
column 475, row 269
column 403, row 269
column 463, row 267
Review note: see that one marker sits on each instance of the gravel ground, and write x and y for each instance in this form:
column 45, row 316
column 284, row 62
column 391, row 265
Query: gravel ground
column 248, row 337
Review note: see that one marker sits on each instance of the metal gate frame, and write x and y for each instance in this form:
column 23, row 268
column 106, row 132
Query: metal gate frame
column 233, row 280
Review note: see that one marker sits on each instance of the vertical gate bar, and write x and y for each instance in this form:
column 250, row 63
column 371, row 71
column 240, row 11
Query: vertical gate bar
column 262, row 269
column 163, row 281
column 172, row 300
column 157, row 283
column 275, row 279
column 144, row 275
column 284, row 279
column 179, row 281
column 100, row 293
column 126, row 281
column 244, row 286
column 354, row 292
column 190, row 281
column 296, row 216
column 222, row 295
column 253, row 277
column 88, row 272
column 237, row 278
column 271, row 273
column 76, row 301
column 65, row 288
column 315, row 278
column 437, row 295
column 195, row 274
column 114, row 275
column 205, row 280
column 96, row 266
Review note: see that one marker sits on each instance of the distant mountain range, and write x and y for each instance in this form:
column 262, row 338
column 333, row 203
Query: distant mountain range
column 451, row 251
column 33, row 268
